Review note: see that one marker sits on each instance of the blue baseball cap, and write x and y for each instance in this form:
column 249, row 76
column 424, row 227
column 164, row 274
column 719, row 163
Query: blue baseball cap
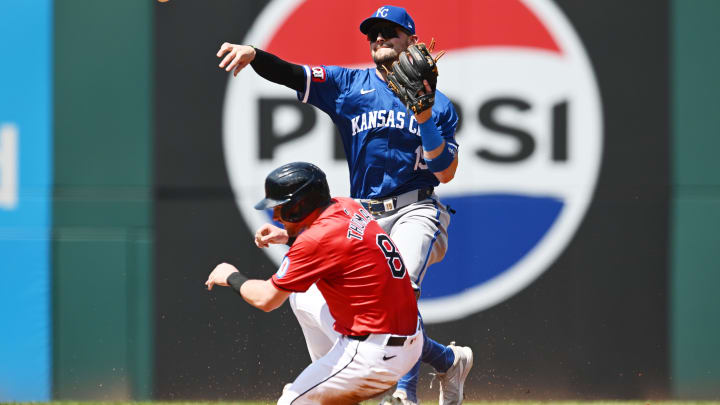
column 397, row 15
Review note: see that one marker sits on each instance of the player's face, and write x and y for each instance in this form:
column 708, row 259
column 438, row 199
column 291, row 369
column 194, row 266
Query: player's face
column 387, row 42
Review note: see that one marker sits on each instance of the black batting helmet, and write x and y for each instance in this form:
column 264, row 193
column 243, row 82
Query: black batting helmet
column 299, row 187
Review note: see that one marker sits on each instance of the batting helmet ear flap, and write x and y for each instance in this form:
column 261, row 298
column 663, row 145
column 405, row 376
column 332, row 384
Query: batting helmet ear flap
column 298, row 188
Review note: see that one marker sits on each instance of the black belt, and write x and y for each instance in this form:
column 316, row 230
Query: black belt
column 387, row 204
column 392, row 341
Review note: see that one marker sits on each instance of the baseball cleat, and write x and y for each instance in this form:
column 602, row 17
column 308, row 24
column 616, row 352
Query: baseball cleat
column 451, row 382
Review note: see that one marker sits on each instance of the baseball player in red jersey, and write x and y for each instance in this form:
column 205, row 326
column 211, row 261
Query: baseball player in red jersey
column 338, row 246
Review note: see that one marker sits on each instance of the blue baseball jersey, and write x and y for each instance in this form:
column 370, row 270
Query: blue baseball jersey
column 380, row 136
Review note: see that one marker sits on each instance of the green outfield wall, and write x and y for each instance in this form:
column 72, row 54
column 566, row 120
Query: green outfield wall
column 695, row 314
column 103, row 238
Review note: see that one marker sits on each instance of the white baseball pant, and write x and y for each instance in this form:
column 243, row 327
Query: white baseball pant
column 315, row 320
column 354, row 371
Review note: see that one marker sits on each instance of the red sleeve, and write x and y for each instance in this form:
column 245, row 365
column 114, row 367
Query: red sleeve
column 301, row 267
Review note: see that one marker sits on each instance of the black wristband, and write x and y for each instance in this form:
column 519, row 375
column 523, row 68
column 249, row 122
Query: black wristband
column 235, row 280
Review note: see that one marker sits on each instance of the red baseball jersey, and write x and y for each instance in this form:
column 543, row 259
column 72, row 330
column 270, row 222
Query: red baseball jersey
column 357, row 268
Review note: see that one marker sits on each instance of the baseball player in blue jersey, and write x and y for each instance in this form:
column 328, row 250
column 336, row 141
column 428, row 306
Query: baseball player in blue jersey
column 395, row 158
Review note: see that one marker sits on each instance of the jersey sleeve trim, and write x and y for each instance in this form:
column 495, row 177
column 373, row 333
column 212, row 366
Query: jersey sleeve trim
column 283, row 288
column 307, row 84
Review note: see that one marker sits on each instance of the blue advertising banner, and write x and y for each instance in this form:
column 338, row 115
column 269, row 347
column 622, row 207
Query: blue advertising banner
column 25, row 199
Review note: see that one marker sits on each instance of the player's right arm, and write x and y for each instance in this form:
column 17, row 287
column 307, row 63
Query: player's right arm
column 238, row 56
column 270, row 67
column 261, row 294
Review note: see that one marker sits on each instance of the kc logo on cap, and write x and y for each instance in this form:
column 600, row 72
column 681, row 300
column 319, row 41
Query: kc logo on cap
column 397, row 15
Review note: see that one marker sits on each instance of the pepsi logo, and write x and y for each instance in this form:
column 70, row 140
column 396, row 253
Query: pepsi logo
column 530, row 136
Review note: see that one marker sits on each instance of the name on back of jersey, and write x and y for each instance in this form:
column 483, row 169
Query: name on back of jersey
column 357, row 224
column 383, row 118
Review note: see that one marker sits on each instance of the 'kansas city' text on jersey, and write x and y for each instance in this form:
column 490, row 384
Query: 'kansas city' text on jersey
column 380, row 136
column 357, row 267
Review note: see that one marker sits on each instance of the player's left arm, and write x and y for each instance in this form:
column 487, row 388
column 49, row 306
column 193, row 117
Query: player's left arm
column 261, row 294
column 447, row 174
column 269, row 234
column 440, row 156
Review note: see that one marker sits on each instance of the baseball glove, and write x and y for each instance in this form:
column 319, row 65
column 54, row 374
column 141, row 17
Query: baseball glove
column 408, row 72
